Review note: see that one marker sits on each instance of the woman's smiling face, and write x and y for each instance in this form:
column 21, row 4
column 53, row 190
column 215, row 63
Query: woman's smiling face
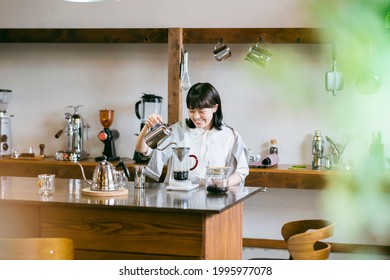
column 202, row 118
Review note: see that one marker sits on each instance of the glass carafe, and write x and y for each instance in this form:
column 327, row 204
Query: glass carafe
column 181, row 163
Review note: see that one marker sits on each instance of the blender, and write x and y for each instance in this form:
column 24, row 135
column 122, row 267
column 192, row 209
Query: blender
column 5, row 124
column 150, row 104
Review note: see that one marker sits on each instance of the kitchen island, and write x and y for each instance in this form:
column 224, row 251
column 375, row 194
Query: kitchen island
column 152, row 223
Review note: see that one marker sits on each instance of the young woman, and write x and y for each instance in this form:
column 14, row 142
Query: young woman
column 212, row 141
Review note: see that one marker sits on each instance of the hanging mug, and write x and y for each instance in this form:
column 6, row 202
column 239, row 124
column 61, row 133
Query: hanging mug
column 258, row 55
column 221, row 51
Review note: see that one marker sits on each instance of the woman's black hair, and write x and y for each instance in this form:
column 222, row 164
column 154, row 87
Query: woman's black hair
column 204, row 95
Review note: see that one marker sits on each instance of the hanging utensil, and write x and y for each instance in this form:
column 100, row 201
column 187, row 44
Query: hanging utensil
column 185, row 79
column 334, row 79
column 367, row 81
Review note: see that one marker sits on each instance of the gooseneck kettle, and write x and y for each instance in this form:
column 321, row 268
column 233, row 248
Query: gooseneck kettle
column 104, row 176
column 158, row 134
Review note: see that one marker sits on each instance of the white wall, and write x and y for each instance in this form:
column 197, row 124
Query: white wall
column 287, row 100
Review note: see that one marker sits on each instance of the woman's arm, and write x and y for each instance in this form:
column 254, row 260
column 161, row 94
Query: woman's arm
column 241, row 170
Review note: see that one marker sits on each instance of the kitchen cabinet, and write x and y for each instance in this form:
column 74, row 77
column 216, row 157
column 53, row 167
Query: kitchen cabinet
column 174, row 37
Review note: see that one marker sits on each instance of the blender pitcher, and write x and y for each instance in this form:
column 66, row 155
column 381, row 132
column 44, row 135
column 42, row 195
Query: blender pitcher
column 181, row 164
column 150, row 104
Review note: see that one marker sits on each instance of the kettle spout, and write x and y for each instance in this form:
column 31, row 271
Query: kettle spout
column 162, row 149
column 82, row 171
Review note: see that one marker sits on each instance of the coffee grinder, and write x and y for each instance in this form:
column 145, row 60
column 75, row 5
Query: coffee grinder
column 151, row 104
column 108, row 136
column 5, row 124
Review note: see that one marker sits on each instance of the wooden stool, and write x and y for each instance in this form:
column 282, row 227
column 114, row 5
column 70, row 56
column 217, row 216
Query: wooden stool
column 302, row 238
column 36, row 249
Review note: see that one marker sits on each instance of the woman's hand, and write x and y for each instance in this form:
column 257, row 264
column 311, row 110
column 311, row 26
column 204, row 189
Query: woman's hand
column 152, row 120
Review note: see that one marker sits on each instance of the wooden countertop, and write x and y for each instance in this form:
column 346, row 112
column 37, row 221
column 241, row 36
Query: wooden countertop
column 282, row 176
column 153, row 197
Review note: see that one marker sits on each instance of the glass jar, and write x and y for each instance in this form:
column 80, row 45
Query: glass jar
column 217, row 179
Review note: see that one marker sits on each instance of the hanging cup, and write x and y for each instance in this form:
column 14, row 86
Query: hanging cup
column 258, row 55
column 221, row 51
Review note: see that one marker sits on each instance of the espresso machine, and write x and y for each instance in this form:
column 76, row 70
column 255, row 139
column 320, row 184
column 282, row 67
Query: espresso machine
column 5, row 124
column 74, row 132
column 150, row 104
column 108, row 136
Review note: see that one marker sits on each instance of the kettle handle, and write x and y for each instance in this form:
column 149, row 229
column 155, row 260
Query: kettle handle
column 137, row 110
column 125, row 169
column 196, row 162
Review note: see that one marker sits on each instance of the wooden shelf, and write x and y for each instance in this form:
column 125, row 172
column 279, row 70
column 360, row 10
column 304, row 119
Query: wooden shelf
column 275, row 177
column 160, row 35
column 252, row 35
column 81, row 35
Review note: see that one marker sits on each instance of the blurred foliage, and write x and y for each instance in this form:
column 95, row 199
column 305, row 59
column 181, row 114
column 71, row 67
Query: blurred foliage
column 358, row 202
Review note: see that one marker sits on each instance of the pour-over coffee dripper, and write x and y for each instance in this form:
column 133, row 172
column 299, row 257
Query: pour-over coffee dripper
column 181, row 166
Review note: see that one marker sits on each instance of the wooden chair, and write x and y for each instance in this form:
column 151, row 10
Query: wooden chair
column 302, row 238
column 36, row 249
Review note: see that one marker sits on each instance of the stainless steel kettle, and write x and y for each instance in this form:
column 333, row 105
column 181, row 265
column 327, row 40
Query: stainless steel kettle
column 157, row 135
column 104, row 176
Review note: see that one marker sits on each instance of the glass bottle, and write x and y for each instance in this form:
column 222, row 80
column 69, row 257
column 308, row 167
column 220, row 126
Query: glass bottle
column 273, row 149
column 317, row 150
